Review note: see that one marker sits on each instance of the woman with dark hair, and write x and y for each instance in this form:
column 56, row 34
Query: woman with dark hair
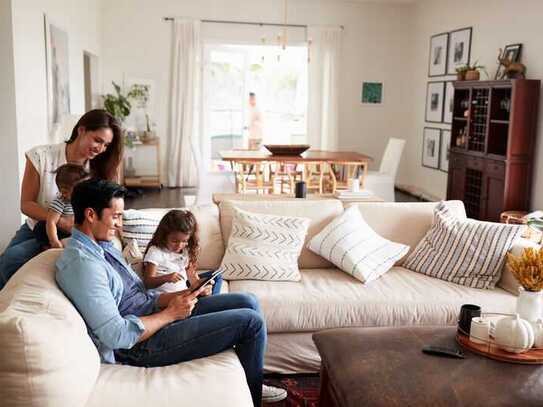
column 96, row 144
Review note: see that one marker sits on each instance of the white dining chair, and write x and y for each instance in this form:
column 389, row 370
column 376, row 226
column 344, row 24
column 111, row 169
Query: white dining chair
column 381, row 183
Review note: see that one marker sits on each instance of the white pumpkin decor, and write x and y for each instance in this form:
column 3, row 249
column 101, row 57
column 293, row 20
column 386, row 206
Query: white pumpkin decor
column 514, row 334
column 538, row 333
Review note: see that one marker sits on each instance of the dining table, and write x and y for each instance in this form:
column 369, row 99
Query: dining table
column 244, row 161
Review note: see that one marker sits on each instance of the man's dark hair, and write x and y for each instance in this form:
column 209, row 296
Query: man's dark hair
column 96, row 194
column 252, row 94
column 68, row 175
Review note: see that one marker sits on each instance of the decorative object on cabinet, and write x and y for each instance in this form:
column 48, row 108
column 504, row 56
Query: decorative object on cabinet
column 444, row 150
column 459, row 49
column 449, row 102
column 509, row 63
column 430, row 147
column 434, row 101
column 492, row 143
column 437, row 64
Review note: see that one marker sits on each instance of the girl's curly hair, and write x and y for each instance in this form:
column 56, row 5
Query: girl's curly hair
column 182, row 221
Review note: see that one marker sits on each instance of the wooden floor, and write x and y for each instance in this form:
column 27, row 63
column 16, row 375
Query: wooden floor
column 182, row 197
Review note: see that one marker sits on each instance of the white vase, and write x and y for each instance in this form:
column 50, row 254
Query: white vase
column 530, row 305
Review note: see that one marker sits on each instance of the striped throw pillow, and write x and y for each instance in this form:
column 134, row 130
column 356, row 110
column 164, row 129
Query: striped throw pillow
column 264, row 247
column 463, row 251
column 354, row 247
column 139, row 226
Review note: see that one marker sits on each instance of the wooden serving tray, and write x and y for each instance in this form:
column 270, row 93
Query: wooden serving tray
column 491, row 350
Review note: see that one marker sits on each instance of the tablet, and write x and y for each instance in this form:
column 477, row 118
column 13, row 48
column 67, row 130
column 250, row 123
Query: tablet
column 205, row 281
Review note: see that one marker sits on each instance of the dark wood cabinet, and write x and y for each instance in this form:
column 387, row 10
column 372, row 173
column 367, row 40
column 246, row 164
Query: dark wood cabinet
column 492, row 142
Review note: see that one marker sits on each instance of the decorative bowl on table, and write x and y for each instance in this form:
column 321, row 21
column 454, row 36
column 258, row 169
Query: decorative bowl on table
column 287, row 149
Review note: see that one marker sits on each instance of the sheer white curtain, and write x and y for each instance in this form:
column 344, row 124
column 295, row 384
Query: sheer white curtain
column 184, row 158
column 324, row 72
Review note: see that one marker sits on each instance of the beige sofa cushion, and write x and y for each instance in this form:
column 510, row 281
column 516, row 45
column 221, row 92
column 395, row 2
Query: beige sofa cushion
column 211, row 242
column 214, row 381
column 404, row 222
column 319, row 212
column 332, row 299
column 46, row 355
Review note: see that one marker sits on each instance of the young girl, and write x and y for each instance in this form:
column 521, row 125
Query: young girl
column 171, row 255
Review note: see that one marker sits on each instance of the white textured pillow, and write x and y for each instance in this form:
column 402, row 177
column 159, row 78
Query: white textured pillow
column 139, row 226
column 355, row 248
column 264, row 247
column 463, row 251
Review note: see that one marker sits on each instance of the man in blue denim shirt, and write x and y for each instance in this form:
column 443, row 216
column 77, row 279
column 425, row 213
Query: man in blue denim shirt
column 152, row 330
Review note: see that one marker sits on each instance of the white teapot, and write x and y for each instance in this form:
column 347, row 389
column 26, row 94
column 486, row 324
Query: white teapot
column 514, row 334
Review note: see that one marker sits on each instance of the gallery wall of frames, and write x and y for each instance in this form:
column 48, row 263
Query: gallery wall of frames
column 448, row 51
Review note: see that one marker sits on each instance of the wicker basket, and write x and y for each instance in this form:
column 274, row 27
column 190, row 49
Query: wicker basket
column 473, row 75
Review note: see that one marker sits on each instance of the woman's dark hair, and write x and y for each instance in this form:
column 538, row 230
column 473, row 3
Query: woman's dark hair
column 68, row 175
column 177, row 220
column 96, row 194
column 105, row 165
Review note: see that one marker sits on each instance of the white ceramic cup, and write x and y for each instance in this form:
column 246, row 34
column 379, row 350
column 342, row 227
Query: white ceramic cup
column 355, row 185
column 480, row 330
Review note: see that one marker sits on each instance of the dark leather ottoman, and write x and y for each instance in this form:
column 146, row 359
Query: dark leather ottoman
column 386, row 367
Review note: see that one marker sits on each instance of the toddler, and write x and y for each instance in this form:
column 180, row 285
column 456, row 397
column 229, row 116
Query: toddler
column 67, row 176
column 171, row 255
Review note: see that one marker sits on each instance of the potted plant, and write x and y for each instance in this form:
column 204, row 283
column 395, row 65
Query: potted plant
column 461, row 72
column 470, row 72
column 528, row 270
column 117, row 105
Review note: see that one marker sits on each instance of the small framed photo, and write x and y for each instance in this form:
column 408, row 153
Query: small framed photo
column 435, row 94
column 449, row 102
column 437, row 65
column 511, row 52
column 459, row 49
column 444, row 150
column 430, row 147
column 372, row 93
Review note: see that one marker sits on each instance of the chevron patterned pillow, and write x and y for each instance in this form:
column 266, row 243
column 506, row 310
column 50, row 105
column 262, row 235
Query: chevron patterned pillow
column 354, row 247
column 264, row 247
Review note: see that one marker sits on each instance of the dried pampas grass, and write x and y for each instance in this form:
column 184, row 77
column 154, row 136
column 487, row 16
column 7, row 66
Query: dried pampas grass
column 528, row 268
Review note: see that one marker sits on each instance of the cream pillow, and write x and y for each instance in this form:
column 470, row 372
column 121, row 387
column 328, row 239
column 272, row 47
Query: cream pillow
column 352, row 245
column 264, row 247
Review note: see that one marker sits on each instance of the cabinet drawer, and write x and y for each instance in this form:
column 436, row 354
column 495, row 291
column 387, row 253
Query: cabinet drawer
column 495, row 168
column 475, row 163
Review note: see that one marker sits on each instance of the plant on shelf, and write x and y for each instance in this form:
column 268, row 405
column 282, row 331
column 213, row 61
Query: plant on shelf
column 470, row 72
column 118, row 105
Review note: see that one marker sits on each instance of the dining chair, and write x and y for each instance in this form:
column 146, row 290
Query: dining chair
column 253, row 175
column 318, row 176
column 381, row 183
column 285, row 175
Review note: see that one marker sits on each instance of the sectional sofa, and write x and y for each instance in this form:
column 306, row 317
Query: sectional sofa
column 47, row 358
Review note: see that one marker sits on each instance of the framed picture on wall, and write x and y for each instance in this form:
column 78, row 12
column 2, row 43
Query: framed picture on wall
column 437, row 64
column 459, row 49
column 435, row 94
column 430, row 147
column 57, row 74
column 444, row 149
column 448, row 103
column 372, row 93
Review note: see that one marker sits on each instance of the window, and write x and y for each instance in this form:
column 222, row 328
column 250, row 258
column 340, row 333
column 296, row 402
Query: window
column 277, row 77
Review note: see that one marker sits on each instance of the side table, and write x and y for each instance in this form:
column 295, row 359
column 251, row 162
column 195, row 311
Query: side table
column 386, row 367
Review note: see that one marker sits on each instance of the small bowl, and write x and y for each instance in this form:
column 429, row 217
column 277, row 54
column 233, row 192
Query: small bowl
column 287, row 149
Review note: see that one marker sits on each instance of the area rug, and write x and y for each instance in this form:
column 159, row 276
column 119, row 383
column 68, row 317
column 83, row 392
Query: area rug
column 303, row 390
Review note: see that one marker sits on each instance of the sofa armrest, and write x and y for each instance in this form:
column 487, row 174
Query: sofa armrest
column 507, row 281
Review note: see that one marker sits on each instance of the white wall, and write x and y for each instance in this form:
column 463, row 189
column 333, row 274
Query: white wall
column 495, row 24
column 136, row 43
column 22, row 30
column 9, row 204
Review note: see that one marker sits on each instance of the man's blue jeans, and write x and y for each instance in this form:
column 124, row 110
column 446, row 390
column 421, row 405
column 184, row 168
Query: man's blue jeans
column 22, row 248
column 217, row 323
